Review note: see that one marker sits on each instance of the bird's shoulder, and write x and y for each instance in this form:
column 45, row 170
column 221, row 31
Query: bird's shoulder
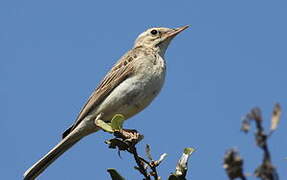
column 133, row 55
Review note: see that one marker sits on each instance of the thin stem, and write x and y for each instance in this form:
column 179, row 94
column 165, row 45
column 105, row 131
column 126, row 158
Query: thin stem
column 152, row 166
column 138, row 160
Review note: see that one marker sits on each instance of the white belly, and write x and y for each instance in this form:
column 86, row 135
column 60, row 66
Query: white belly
column 133, row 94
column 130, row 97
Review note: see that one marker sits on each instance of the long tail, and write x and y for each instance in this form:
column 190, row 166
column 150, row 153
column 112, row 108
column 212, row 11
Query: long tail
column 51, row 156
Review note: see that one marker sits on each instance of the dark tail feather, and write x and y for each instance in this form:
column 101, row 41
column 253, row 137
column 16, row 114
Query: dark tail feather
column 67, row 132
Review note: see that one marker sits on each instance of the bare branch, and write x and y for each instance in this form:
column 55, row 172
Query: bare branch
column 126, row 140
column 266, row 171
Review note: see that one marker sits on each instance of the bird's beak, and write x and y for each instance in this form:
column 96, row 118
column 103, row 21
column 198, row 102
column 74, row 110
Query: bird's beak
column 172, row 33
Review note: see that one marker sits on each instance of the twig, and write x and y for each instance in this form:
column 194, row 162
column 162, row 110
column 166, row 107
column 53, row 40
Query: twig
column 126, row 140
column 139, row 162
column 266, row 171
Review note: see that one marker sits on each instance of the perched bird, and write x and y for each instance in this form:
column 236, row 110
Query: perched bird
column 129, row 87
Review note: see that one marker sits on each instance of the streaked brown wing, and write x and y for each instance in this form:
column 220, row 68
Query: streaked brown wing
column 121, row 71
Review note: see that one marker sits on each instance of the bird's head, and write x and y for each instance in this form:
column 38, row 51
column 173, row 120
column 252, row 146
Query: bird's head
column 158, row 38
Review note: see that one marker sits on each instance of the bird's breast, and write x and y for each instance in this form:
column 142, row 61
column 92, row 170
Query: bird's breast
column 136, row 92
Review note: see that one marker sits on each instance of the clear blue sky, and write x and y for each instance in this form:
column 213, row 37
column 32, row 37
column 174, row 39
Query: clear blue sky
column 54, row 53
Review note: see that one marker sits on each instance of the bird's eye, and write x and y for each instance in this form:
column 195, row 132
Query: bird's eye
column 154, row 32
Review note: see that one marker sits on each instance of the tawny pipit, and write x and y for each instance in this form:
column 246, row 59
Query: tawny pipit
column 129, row 87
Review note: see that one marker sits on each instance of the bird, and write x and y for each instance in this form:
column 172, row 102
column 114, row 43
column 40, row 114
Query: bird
column 128, row 88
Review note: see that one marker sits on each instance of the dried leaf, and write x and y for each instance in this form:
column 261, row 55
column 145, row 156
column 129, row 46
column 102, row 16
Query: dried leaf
column 148, row 152
column 117, row 143
column 233, row 164
column 245, row 125
column 275, row 117
column 115, row 175
column 161, row 158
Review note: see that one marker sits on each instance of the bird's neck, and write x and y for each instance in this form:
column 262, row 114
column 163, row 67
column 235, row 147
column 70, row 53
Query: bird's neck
column 157, row 49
